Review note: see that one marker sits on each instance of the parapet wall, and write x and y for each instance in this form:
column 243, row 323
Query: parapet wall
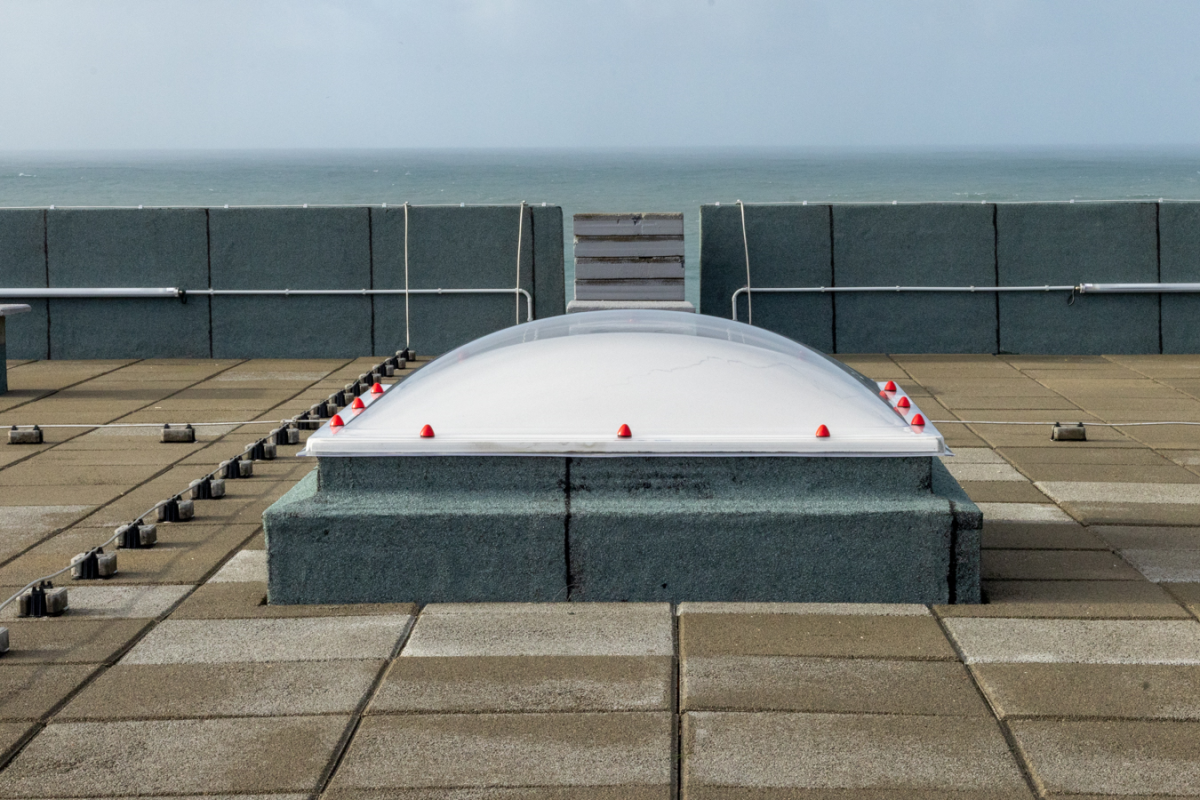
column 274, row 248
column 948, row 244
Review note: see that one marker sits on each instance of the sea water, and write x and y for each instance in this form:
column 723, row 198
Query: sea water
column 580, row 181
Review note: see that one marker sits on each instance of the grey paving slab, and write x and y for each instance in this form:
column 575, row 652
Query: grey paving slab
column 11, row 736
column 984, row 472
column 812, row 635
column 82, row 759
column 527, row 683
column 1080, row 565
column 630, row 750
column 841, row 685
column 112, row 601
column 61, row 640
column 1102, row 492
column 245, row 566
column 1121, row 758
column 849, row 609
column 173, row 691
column 1004, row 491
column 549, row 629
column 248, row 600
column 974, row 455
column 1024, row 512
column 905, row 755
column 22, row 526
column 1137, row 691
column 307, row 639
column 1002, row 535
column 1165, row 566
column 1071, row 599
column 30, row 691
column 1091, row 641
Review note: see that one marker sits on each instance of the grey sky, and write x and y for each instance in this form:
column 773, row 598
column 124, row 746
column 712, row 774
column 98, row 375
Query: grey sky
column 621, row 73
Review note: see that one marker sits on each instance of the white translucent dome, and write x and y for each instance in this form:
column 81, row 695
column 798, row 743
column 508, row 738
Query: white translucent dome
column 682, row 383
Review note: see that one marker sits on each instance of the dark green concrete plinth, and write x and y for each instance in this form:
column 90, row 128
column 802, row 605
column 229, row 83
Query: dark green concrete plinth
column 447, row 529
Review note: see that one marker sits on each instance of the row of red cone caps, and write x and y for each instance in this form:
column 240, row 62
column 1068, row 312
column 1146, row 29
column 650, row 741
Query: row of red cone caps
column 903, row 403
column 358, row 405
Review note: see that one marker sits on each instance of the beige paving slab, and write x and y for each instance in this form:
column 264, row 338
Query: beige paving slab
column 1004, row 491
column 247, row 600
column 983, row 472
column 1055, row 565
column 527, row 683
column 1110, row 473
column 974, row 455
column 81, row 759
column 1165, row 566
column 841, row 685
column 11, row 736
column 62, row 640
column 1005, row 535
column 73, row 495
column 542, row 629
column 181, row 691
column 30, row 691
column 1085, row 641
column 627, row 750
column 245, row 566
column 23, row 526
column 1110, row 503
column 1113, row 758
column 983, row 402
column 90, row 600
column 1043, row 511
column 221, row 641
column 918, row 756
column 36, row 473
column 1068, row 453
column 1131, row 691
column 848, row 609
column 1071, row 599
column 844, row 636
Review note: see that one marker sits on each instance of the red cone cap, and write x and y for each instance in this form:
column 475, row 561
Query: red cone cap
column 903, row 403
column 623, row 432
column 336, row 421
column 822, row 432
column 377, row 389
column 890, row 386
column 918, row 420
column 427, row 432
column 358, row 403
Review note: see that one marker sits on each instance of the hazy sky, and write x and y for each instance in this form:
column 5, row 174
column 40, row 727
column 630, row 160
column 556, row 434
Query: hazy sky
column 621, row 73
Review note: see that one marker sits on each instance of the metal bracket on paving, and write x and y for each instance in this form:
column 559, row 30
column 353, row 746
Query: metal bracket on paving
column 40, row 598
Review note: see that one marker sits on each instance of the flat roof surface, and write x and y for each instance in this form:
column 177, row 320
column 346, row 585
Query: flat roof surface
column 1079, row 676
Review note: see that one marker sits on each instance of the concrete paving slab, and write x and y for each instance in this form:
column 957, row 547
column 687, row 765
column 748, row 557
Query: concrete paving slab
column 91, row 600
column 1024, row 512
column 308, row 639
column 549, row 629
column 1111, row 492
column 839, row 685
column 811, row 635
column 1003, row 535
column 249, row 601
column 983, row 472
column 1141, row 691
column 245, row 566
column 1069, row 454
column 1071, row 599
column 30, row 691
column 1091, row 641
column 181, row 691
column 909, row 756
column 1166, row 566
column 23, row 526
column 1149, row 537
column 629, row 750
column 81, row 759
column 61, row 640
column 1110, row 473
column 850, row 609
column 1055, row 565
column 37, row 473
column 527, row 683
column 1131, row 758
column 1002, row 491
column 974, row 455
column 12, row 734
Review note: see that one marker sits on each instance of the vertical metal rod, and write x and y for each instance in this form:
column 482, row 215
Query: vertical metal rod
column 520, row 231
column 407, row 340
column 746, row 247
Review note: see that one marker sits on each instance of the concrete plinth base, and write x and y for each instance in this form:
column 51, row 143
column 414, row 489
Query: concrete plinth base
column 578, row 306
column 464, row 529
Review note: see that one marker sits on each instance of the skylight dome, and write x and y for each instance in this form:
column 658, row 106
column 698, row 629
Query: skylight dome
column 683, row 384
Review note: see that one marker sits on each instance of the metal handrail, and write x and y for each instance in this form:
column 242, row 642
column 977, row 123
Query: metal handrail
column 183, row 294
column 1080, row 288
